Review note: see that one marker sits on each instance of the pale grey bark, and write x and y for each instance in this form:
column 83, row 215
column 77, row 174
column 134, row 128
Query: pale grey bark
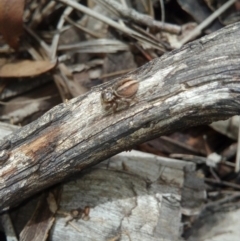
column 132, row 196
column 196, row 84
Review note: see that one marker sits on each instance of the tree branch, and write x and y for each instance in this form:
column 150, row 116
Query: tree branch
column 196, row 84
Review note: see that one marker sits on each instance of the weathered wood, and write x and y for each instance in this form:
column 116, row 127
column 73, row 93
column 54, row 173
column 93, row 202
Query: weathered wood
column 196, row 84
column 132, row 196
column 219, row 220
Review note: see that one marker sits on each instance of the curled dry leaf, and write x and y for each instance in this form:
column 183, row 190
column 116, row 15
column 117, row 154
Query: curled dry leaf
column 25, row 68
column 11, row 21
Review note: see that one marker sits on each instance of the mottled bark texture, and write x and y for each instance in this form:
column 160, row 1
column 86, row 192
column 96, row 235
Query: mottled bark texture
column 196, row 84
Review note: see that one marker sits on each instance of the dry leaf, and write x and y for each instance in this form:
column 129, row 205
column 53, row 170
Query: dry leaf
column 25, row 68
column 11, row 21
column 52, row 203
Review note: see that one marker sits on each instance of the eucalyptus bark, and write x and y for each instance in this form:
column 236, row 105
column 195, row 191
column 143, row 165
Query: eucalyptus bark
column 197, row 84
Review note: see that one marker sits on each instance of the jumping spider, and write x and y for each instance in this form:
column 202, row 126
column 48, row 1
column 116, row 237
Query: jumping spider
column 121, row 93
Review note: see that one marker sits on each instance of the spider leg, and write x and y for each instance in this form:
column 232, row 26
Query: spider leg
column 126, row 101
column 108, row 106
column 114, row 106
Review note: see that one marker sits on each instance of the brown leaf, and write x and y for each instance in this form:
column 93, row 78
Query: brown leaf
column 25, row 68
column 11, row 21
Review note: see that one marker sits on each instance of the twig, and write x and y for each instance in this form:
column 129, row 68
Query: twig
column 27, row 101
column 228, row 184
column 198, row 159
column 227, row 199
column 116, row 73
column 56, row 37
column 40, row 14
column 237, row 166
column 79, row 26
column 197, row 31
column 8, row 227
column 96, row 46
column 112, row 23
column 142, row 19
column 45, row 47
column 32, row 51
column 214, row 174
column 162, row 11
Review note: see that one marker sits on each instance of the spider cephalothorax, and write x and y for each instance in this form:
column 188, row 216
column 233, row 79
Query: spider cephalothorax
column 121, row 93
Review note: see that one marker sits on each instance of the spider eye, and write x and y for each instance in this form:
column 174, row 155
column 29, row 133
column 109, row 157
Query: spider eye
column 107, row 96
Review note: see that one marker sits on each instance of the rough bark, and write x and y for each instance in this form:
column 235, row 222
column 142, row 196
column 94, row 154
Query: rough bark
column 196, row 84
column 132, row 196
